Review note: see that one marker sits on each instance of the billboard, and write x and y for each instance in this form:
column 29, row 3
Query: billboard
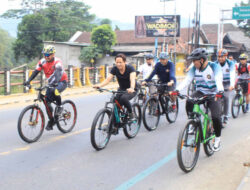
column 157, row 26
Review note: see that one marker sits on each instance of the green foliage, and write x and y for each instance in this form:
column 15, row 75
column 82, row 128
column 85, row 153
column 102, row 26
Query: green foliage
column 89, row 53
column 57, row 22
column 117, row 27
column 245, row 26
column 103, row 37
column 106, row 21
column 6, row 53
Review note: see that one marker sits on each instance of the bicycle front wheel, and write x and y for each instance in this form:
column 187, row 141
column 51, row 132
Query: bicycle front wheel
column 172, row 109
column 100, row 129
column 67, row 120
column 31, row 124
column 151, row 114
column 132, row 128
column 235, row 107
column 188, row 146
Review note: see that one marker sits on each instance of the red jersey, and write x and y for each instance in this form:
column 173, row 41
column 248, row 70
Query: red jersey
column 49, row 68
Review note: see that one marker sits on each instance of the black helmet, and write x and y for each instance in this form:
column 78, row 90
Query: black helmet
column 149, row 56
column 198, row 53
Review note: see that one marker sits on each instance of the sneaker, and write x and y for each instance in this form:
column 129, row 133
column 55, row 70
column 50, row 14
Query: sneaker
column 216, row 144
column 59, row 110
column 225, row 120
column 131, row 116
column 49, row 125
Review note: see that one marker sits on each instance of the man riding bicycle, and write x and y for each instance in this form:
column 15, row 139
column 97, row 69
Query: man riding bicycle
column 125, row 75
column 208, row 76
column 146, row 69
column 57, row 80
column 228, row 70
column 165, row 71
column 243, row 69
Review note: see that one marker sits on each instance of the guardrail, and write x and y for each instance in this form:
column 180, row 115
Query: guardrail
column 77, row 76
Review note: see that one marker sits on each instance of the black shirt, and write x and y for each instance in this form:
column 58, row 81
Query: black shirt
column 123, row 79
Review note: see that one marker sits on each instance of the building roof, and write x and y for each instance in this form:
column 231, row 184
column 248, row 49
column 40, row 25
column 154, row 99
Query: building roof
column 211, row 31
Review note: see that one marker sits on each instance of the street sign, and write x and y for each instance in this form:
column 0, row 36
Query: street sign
column 241, row 13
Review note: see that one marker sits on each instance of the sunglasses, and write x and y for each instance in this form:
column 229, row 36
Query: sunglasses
column 46, row 54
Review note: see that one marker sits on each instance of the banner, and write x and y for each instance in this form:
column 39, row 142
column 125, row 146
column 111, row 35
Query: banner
column 157, row 26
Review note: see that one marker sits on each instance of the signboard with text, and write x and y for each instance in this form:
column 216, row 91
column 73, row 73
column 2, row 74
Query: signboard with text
column 157, row 26
column 241, row 13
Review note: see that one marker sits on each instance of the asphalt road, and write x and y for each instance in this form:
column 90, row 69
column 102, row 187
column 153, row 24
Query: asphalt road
column 68, row 161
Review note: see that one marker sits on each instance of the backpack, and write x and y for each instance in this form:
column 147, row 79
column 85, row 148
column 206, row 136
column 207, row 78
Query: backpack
column 240, row 67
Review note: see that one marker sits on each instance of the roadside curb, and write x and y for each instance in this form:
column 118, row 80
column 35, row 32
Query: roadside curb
column 245, row 182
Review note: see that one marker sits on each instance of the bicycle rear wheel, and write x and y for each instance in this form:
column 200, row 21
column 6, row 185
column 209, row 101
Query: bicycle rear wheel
column 208, row 146
column 31, row 124
column 151, row 114
column 100, row 130
column 172, row 109
column 132, row 128
column 235, row 106
column 67, row 120
column 188, row 146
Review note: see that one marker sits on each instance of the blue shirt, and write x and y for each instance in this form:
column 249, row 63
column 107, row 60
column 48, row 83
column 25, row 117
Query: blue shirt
column 165, row 73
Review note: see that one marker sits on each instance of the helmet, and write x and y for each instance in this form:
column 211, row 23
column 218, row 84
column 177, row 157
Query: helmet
column 198, row 53
column 149, row 56
column 49, row 49
column 222, row 52
column 243, row 56
column 163, row 55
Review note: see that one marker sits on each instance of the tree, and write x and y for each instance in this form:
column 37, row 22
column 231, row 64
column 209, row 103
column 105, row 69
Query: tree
column 90, row 53
column 244, row 24
column 103, row 37
column 58, row 21
column 6, row 53
column 106, row 21
column 117, row 28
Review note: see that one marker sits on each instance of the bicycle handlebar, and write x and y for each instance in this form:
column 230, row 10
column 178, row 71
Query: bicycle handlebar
column 111, row 91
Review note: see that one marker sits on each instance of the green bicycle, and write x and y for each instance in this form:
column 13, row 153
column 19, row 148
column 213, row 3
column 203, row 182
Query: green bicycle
column 198, row 130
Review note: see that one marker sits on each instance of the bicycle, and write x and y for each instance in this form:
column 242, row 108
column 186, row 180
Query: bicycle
column 142, row 94
column 159, row 104
column 32, row 117
column 111, row 118
column 239, row 100
column 194, row 133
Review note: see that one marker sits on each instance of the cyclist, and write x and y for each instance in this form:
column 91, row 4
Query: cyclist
column 228, row 70
column 146, row 70
column 231, row 58
column 208, row 76
column 57, row 80
column 125, row 75
column 165, row 71
column 243, row 69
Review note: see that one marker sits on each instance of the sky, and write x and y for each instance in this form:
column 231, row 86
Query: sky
column 125, row 11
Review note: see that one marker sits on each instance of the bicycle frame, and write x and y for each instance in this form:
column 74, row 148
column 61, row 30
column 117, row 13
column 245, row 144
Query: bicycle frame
column 202, row 126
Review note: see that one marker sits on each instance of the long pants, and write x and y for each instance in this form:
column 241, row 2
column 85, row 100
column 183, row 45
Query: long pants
column 226, row 98
column 124, row 98
column 215, row 109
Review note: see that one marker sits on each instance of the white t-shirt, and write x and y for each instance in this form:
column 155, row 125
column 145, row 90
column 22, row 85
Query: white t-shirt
column 146, row 70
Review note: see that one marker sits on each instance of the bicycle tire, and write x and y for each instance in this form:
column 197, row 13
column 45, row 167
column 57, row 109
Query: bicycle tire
column 20, row 125
column 170, row 109
column 69, row 107
column 107, row 129
column 208, row 147
column 244, row 105
column 152, row 112
column 181, row 143
column 235, row 106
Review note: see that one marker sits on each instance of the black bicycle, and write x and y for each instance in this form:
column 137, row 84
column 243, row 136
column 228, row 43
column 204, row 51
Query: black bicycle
column 31, row 121
column 159, row 104
column 239, row 100
column 111, row 118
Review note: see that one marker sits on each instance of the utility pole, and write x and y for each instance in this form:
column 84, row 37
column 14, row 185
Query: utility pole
column 197, row 24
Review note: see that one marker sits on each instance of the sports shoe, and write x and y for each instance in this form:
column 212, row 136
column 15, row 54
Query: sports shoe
column 131, row 116
column 191, row 130
column 216, row 144
column 225, row 120
column 59, row 110
column 49, row 125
